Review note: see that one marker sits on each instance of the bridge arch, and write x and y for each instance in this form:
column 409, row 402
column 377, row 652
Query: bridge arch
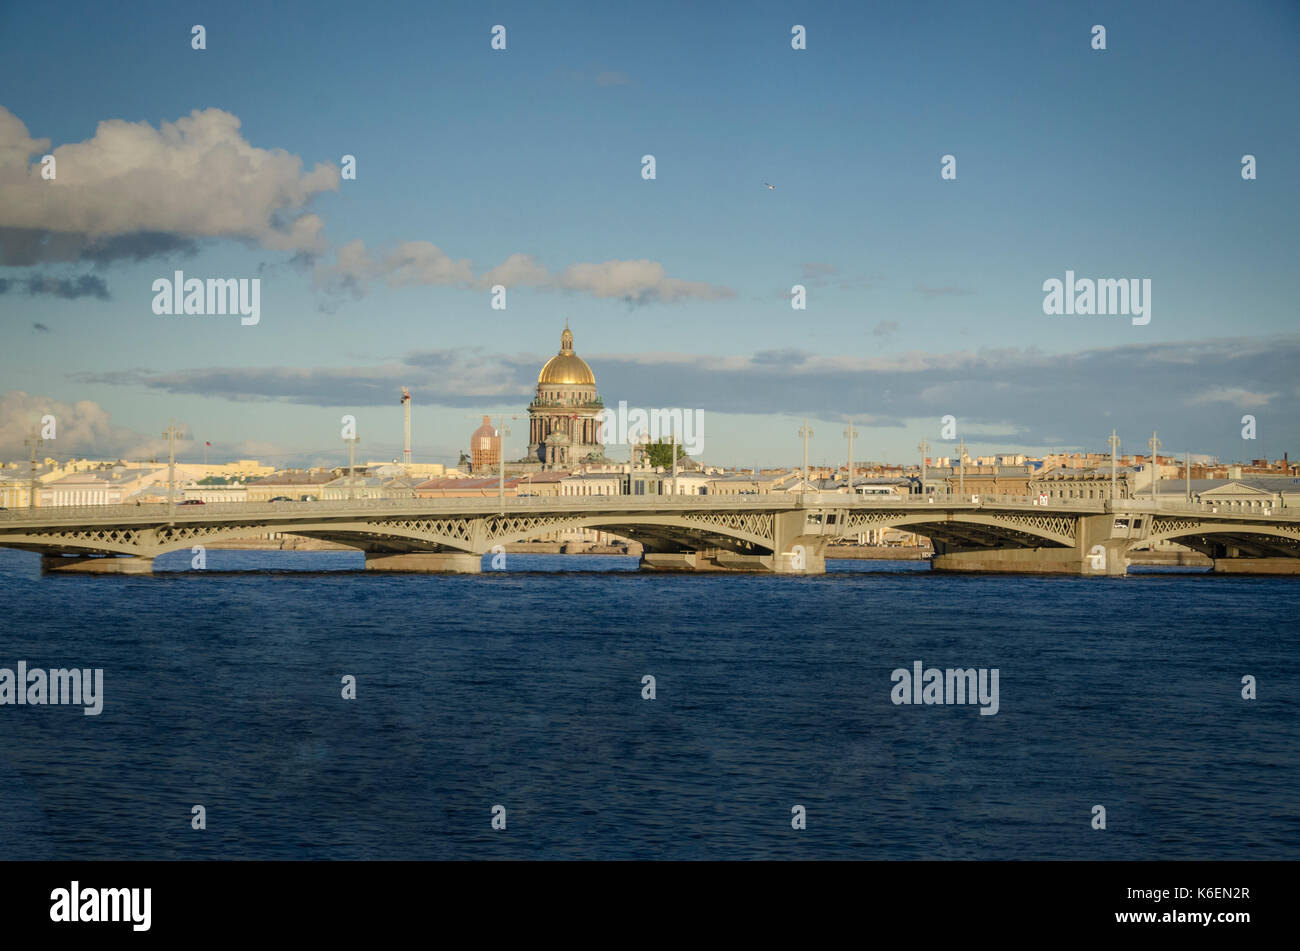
column 741, row 531
column 1214, row 538
column 390, row 534
column 972, row 529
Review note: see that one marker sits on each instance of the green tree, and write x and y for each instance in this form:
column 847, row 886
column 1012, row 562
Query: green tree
column 661, row 454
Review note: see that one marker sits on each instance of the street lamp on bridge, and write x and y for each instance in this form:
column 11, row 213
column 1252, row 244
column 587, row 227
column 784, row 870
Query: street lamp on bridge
column 352, row 478
column 33, row 442
column 924, row 448
column 1114, row 449
column 961, row 463
column 171, row 434
column 850, row 433
column 1155, row 444
column 805, row 432
column 502, row 432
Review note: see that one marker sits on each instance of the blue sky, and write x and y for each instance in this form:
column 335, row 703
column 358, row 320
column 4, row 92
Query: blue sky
column 924, row 296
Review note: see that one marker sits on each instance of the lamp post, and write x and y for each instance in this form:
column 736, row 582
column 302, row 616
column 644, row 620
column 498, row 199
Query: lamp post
column 805, row 432
column 1114, row 481
column 171, row 434
column 352, row 480
column 502, row 433
column 924, row 447
column 961, row 462
column 1155, row 444
column 33, row 442
column 850, row 433
column 674, row 457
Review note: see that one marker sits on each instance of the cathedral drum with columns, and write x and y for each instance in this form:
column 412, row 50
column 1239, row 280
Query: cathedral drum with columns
column 564, row 417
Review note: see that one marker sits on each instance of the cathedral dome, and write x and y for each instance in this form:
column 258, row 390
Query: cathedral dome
column 566, row 367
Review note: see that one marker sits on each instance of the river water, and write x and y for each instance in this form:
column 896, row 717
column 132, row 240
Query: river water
column 523, row 689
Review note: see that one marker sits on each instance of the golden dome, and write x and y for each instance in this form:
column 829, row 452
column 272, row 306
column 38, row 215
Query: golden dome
column 566, row 367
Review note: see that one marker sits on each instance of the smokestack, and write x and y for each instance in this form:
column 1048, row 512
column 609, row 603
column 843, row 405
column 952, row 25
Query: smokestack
column 406, row 409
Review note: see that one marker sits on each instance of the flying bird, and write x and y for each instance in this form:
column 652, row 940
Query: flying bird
column 771, row 187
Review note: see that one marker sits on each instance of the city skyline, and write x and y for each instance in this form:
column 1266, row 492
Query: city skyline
column 924, row 296
column 832, row 430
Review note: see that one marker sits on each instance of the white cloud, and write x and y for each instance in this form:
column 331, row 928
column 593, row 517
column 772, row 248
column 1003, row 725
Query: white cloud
column 638, row 282
column 419, row 262
column 1234, row 395
column 133, row 190
column 82, row 428
column 412, row 262
column 518, row 270
column 197, row 177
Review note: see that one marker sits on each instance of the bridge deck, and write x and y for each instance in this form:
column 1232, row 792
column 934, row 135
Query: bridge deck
column 64, row 516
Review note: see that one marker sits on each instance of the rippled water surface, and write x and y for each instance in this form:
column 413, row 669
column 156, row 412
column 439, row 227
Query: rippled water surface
column 524, row 689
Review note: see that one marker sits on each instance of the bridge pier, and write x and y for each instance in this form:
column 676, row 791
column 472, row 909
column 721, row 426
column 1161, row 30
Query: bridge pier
column 808, row 562
column 96, row 565
column 1256, row 566
column 669, row 560
column 802, row 560
column 430, row 562
column 1099, row 551
column 1026, row 561
column 709, row 560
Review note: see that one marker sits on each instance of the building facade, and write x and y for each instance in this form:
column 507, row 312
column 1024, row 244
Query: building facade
column 1070, row 483
column 294, row 484
column 564, row 416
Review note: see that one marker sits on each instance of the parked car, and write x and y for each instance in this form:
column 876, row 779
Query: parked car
column 282, row 498
column 193, row 502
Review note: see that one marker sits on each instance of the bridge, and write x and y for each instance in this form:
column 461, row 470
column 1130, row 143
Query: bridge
column 784, row 533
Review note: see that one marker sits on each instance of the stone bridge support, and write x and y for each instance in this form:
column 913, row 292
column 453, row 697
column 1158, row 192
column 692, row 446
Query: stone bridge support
column 800, row 539
column 798, row 548
column 426, row 562
column 1256, row 566
column 96, row 565
column 1099, row 550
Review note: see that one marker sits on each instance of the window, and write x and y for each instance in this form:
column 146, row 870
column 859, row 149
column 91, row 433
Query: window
column 640, row 487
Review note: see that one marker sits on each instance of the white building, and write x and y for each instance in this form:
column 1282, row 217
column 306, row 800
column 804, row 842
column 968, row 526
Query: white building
column 100, row 487
column 592, row 483
column 688, row 483
column 232, row 492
